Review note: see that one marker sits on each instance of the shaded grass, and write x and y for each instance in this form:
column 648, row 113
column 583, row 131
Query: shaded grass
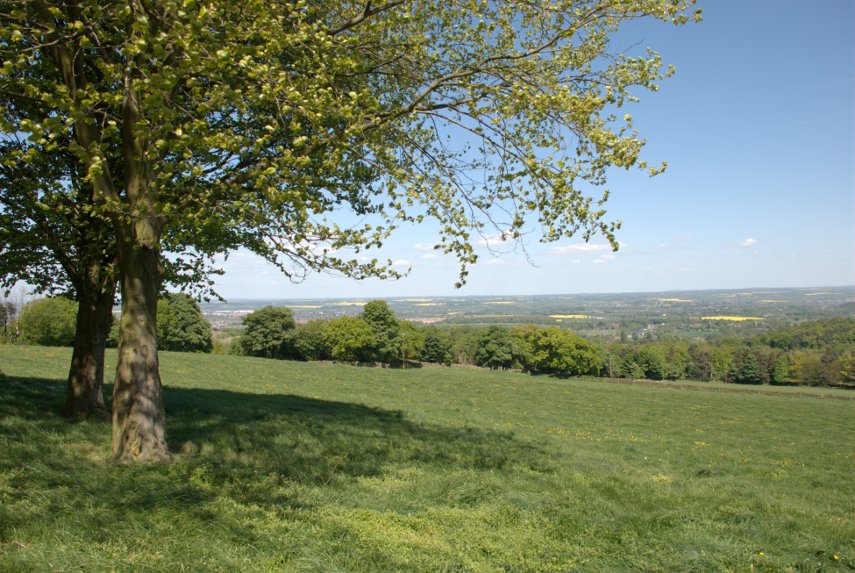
column 314, row 467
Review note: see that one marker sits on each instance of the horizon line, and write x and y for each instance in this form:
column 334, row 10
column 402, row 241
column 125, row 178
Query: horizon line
column 403, row 296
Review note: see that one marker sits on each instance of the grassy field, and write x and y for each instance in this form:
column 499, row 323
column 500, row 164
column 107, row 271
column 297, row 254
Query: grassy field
column 283, row 466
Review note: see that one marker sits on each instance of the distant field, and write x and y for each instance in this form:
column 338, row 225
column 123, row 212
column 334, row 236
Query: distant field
column 711, row 315
column 284, row 466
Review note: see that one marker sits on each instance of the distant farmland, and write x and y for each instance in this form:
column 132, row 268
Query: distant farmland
column 693, row 314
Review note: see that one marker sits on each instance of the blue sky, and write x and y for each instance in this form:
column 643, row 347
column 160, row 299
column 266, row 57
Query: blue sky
column 757, row 126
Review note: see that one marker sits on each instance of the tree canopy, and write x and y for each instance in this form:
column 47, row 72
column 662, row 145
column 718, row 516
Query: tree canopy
column 268, row 332
column 561, row 352
column 181, row 326
column 385, row 329
column 246, row 123
column 498, row 349
column 48, row 322
column 350, row 338
column 437, row 346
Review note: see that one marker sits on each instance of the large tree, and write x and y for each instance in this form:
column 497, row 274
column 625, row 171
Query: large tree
column 257, row 120
column 52, row 239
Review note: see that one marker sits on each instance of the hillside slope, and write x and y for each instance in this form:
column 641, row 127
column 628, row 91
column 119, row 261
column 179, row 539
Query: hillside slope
column 283, row 466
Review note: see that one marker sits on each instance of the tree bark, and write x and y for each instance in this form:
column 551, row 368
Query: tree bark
column 139, row 426
column 139, row 432
column 85, row 396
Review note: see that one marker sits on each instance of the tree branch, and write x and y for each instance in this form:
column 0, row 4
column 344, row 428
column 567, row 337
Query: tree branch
column 366, row 13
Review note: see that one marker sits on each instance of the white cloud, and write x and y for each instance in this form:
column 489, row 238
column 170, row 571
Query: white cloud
column 424, row 246
column 748, row 243
column 582, row 248
column 430, row 256
column 495, row 238
column 233, row 256
column 401, row 263
column 605, row 258
column 495, row 262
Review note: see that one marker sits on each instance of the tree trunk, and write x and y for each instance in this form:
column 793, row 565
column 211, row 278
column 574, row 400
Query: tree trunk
column 138, row 416
column 85, row 394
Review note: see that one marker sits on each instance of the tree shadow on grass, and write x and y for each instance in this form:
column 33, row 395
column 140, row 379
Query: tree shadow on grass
column 313, row 441
column 251, row 448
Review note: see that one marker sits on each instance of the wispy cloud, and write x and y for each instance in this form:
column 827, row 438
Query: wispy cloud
column 429, row 256
column 233, row 256
column 424, row 246
column 495, row 262
column 748, row 243
column 493, row 239
column 676, row 242
column 581, row 248
column 605, row 258
column 401, row 263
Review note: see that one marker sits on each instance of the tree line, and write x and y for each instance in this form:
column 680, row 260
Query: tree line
column 51, row 321
column 376, row 335
column 814, row 353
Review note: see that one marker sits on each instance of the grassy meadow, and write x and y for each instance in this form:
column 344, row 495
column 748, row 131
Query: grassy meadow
column 311, row 467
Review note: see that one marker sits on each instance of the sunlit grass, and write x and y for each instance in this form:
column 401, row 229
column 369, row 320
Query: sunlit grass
column 283, row 466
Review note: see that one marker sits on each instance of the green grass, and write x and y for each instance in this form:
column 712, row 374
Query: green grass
column 824, row 392
column 284, row 466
